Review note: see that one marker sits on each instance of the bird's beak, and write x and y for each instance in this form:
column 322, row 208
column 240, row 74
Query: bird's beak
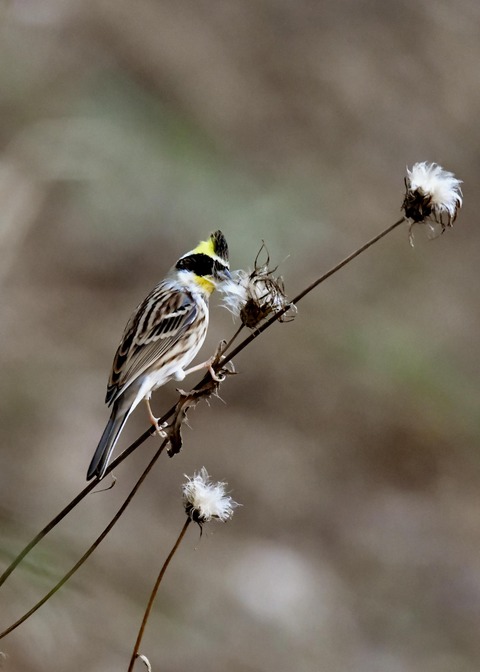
column 223, row 274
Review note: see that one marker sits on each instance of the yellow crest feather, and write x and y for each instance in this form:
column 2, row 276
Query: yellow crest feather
column 205, row 247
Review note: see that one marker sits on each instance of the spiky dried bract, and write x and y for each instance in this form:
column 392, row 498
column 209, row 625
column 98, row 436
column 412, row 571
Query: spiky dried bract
column 256, row 295
column 190, row 399
column 265, row 296
column 433, row 194
column 205, row 501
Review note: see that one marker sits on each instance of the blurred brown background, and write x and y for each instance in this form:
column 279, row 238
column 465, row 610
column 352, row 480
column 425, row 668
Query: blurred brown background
column 129, row 130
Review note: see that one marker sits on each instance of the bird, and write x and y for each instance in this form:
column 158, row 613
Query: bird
column 161, row 338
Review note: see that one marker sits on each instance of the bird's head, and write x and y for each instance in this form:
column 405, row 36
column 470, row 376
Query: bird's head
column 207, row 264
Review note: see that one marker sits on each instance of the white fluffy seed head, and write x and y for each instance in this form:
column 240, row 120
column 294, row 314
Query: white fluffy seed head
column 432, row 193
column 234, row 292
column 205, row 501
column 255, row 295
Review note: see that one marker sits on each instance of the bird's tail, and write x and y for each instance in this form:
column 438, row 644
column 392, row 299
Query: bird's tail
column 110, row 435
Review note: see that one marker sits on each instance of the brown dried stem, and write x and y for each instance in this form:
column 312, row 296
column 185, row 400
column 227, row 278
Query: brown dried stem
column 153, row 594
column 90, row 550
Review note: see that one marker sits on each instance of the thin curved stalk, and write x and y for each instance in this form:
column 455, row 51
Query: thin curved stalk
column 153, row 594
column 90, row 550
column 76, row 500
column 307, row 290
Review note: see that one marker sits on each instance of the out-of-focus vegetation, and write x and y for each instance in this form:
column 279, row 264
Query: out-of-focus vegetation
column 128, row 131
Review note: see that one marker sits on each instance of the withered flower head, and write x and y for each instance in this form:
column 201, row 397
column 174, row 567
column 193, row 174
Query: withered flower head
column 257, row 294
column 433, row 194
column 205, row 501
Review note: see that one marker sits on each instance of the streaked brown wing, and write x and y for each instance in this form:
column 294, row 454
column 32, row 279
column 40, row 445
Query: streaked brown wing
column 155, row 326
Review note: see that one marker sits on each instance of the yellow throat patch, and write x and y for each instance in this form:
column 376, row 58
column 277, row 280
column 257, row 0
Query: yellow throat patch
column 207, row 286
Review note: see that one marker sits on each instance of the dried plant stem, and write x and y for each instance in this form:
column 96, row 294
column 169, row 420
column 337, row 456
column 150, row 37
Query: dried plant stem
column 154, row 594
column 95, row 544
column 76, row 500
column 307, row 290
column 45, row 531
column 235, row 335
column 199, row 385
column 348, row 259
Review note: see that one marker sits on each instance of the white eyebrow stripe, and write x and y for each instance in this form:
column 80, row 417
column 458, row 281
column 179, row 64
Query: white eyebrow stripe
column 215, row 257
